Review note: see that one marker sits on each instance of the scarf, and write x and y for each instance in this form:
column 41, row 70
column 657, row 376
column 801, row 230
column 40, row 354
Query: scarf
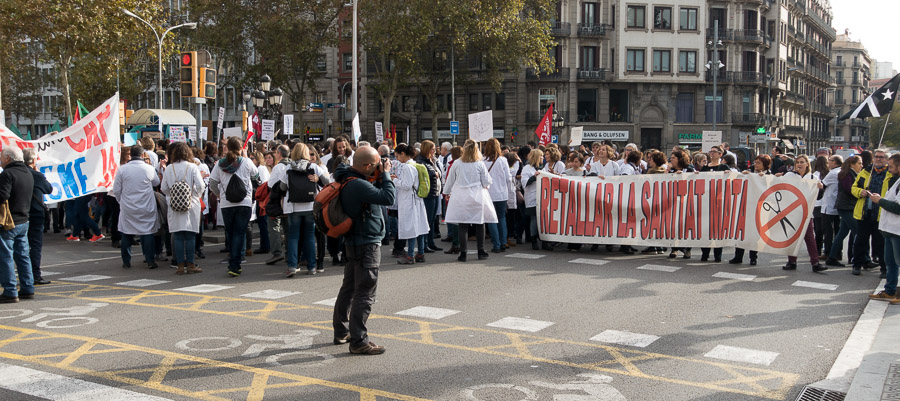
column 230, row 168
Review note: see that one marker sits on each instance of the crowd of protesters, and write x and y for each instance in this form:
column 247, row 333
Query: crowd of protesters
column 167, row 194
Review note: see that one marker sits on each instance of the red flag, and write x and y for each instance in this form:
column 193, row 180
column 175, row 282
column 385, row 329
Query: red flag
column 255, row 123
column 544, row 128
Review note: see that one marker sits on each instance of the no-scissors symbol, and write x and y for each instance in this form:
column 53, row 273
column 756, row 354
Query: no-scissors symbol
column 771, row 201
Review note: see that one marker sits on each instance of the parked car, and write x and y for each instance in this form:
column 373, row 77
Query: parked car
column 745, row 157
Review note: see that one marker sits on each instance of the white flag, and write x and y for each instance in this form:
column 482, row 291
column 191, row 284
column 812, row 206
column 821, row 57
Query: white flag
column 407, row 135
column 356, row 131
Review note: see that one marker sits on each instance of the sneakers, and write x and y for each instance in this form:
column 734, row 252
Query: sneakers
column 291, row 271
column 311, row 272
column 882, row 296
column 871, row 265
column 152, row 265
column 320, row 269
column 235, row 273
column 228, row 260
column 406, row 260
column 73, row 238
column 97, row 238
column 482, row 255
column 11, row 300
column 274, row 259
column 368, row 349
column 341, row 340
column 420, row 258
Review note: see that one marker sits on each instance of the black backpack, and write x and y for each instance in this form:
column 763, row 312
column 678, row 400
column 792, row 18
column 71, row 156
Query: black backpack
column 236, row 191
column 300, row 188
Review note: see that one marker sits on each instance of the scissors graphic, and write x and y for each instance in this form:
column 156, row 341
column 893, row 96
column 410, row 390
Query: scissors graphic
column 777, row 209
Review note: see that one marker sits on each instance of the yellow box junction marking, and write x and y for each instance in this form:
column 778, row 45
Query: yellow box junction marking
column 81, row 346
column 751, row 381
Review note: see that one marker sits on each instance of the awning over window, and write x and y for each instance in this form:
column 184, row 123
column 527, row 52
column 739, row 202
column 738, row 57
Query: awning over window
column 164, row 116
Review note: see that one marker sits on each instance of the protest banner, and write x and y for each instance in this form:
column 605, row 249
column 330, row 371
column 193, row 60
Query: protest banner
column 176, row 134
column 81, row 160
column 481, row 126
column 762, row 213
column 268, row 130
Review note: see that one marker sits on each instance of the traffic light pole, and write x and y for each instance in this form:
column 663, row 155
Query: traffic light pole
column 199, row 101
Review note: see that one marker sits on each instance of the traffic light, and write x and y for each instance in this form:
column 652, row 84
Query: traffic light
column 207, row 82
column 189, row 74
column 761, row 130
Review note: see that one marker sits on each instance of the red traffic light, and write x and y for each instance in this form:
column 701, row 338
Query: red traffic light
column 186, row 59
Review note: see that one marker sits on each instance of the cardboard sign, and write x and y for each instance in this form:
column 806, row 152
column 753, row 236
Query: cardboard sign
column 481, row 126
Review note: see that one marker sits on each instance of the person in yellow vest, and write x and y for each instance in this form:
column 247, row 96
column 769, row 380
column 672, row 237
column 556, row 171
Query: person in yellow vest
column 872, row 179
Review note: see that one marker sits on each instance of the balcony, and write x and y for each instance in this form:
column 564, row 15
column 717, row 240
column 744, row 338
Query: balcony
column 839, row 63
column 592, row 29
column 560, row 28
column 801, row 4
column 749, row 119
column 738, row 77
column 597, row 74
column 821, row 24
column 793, row 130
column 533, row 117
column 859, row 122
column 559, row 74
column 750, row 35
column 856, row 64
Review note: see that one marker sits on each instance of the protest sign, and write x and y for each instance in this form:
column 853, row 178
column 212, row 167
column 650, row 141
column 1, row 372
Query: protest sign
column 576, row 136
column 481, row 126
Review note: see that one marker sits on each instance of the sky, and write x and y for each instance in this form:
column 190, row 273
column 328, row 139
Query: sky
column 871, row 22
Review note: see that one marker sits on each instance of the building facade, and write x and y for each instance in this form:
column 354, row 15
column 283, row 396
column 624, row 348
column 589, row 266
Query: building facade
column 851, row 71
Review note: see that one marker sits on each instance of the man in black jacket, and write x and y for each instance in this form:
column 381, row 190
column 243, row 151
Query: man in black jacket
column 361, row 201
column 16, row 186
column 36, row 216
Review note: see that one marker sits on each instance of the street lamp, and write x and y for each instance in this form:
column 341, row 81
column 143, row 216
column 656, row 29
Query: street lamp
column 558, row 122
column 266, row 101
column 159, row 41
column 769, row 98
column 714, row 65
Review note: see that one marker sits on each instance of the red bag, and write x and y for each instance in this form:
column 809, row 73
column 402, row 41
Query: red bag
column 262, row 198
column 329, row 213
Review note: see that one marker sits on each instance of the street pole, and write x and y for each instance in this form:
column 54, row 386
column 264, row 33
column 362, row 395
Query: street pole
column 355, row 93
column 452, row 87
column 715, row 72
column 159, row 41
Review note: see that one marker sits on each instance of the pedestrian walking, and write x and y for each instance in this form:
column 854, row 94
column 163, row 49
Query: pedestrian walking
column 361, row 201
column 138, row 217
column 470, row 203
column 230, row 180
column 183, row 186
column 16, row 190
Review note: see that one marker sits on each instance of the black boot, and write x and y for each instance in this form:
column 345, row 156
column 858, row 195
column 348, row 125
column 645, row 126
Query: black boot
column 462, row 256
column 482, row 255
column 789, row 266
column 534, row 244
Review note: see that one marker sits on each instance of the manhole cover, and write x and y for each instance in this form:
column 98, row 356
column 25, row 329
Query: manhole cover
column 891, row 390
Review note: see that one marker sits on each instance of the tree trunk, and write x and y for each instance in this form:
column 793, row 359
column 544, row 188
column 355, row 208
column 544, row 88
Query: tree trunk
column 64, row 74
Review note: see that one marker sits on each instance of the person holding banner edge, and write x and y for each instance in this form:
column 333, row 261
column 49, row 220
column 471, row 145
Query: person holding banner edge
column 889, row 225
column 760, row 166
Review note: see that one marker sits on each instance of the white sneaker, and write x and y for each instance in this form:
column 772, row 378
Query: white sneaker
column 291, row 271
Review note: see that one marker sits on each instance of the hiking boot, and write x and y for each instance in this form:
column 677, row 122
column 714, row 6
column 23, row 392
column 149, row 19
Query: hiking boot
column 462, row 256
column 368, row 349
column 341, row 340
column 895, row 301
column 274, row 259
column 406, row 260
column 180, row 271
column 192, row 268
column 883, row 296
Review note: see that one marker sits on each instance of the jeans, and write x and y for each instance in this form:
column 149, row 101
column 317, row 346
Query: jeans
column 357, row 293
column 148, row 247
column 531, row 212
column 300, row 224
column 275, row 227
column 819, row 224
column 237, row 218
column 184, row 244
column 431, row 204
column 14, row 247
column 36, row 245
column 867, row 232
column 848, row 226
column 263, row 223
column 498, row 230
column 411, row 245
column 81, row 218
column 891, row 258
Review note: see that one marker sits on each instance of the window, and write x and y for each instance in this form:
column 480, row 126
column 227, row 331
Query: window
column 635, row 60
column 473, row 102
column 348, row 61
column 662, row 18
column 486, row 101
column 589, row 58
column 500, row 100
column 662, row 61
column 718, row 106
column 840, row 60
column 689, row 19
column 636, row 17
column 546, row 97
column 404, row 104
column 684, row 108
column 587, row 105
column 589, row 16
column 687, row 61
column 321, row 63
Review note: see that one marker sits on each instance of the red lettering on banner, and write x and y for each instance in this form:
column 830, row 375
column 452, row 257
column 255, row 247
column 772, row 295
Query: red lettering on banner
column 631, row 224
column 682, row 194
column 93, row 136
column 607, row 230
column 736, row 198
column 645, row 210
column 571, row 209
column 714, row 208
column 654, row 214
column 739, row 229
column 623, row 223
column 579, row 223
column 726, row 210
column 664, row 210
column 689, row 218
column 597, row 224
column 552, row 224
column 545, row 203
column 699, row 191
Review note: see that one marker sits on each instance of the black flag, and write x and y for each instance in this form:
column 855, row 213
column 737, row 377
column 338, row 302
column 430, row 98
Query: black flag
column 879, row 103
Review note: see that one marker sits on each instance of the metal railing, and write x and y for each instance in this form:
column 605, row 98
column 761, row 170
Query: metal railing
column 560, row 28
column 748, row 118
column 597, row 74
column 560, row 73
column 592, row 29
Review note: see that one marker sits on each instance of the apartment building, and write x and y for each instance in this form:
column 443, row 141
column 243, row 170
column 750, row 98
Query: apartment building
column 852, row 72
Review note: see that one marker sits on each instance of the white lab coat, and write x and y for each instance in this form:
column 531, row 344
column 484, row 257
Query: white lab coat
column 470, row 202
column 530, row 190
column 190, row 173
column 411, row 215
column 133, row 188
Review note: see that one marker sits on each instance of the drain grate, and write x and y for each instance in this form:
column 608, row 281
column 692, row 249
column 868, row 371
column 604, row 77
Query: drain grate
column 817, row 394
column 892, row 384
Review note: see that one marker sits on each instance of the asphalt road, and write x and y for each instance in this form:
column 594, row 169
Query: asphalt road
column 523, row 325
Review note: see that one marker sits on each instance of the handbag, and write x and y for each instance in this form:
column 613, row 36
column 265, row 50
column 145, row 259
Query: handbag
column 6, row 220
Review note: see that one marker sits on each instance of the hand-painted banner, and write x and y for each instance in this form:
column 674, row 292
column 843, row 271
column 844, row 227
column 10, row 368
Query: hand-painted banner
column 81, row 160
column 763, row 213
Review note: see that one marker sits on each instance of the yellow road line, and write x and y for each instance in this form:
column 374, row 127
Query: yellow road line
column 255, row 389
column 764, row 382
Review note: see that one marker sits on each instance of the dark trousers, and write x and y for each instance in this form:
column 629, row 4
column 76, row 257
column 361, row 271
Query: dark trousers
column 35, row 244
column 113, row 208
column 831, row 224
column 868, row 230
column 357, row 293
column 147, row 247
column 848, row 227
column 82, row 218
column 819, row 224
column 263, row 223
column 717, row 253
column 237, row 219
column 59, row 217
column 431, row 213
column 739, row 254
column 479, row 236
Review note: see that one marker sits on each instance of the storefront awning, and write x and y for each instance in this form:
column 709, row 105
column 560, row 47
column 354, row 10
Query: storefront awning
column 788, row 144
column 163, row 116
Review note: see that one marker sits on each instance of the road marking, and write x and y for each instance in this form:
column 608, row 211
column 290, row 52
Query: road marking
column 738, row 378
column 428, row 312
column 585, row 261
column 736, row 354
column 60, row 388
column 625, row 338
column 46, row 273
column 735, row 276
column 327, row 302
column 86, row 278
column 522, row 324
column 270, row 294
column 144, row 282
column 524, row 256
column 82, row 261
column 819, row 286
column 661, row 268
column 204, row 288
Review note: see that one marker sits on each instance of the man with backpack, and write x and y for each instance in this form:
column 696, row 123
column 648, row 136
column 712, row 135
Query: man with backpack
column 361, row 200
column 274, row 209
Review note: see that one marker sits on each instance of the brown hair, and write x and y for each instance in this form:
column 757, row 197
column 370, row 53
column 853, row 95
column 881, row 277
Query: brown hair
column 492, row 149
column 846, row 167
column 147, row 143
column 471, row 153
column 427, row 147
column 233, row 147
column 456, row 152
column 765, row 160
column 179, row 151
